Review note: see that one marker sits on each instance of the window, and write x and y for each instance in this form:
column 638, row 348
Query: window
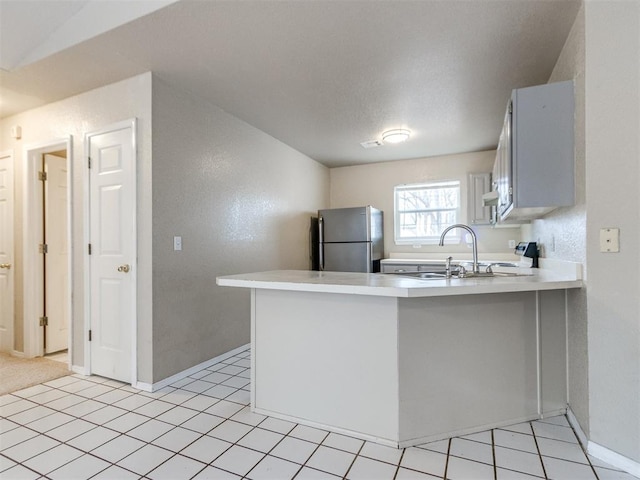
column 423, row 211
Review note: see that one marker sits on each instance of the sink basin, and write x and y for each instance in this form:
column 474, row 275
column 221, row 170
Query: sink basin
column 442, row 275
column 428, row 275
column 511, row 274
column 423, row 275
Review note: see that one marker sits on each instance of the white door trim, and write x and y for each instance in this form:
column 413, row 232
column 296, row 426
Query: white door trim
column 132, row 123
column 10, row 332
column 32, row 275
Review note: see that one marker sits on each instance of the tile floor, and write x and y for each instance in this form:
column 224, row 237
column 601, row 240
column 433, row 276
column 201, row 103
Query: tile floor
column 200, row 427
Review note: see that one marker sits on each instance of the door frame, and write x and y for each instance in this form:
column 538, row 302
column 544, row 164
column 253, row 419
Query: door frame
column 131, row 123
column 32, row 272
column 11, row 328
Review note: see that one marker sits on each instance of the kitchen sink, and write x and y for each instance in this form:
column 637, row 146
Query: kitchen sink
column 511, row 274
column 439, row 275
column 426, row 274
column 436, row 271
column 434, row 275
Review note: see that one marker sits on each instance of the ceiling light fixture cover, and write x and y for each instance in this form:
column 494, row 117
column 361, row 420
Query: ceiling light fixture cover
column 396, row 136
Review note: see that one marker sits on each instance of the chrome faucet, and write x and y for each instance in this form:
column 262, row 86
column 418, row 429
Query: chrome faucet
column 476, row 268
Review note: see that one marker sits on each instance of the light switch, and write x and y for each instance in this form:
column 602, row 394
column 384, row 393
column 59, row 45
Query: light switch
column 609, row 240
column 177, row 244
column 16, row 132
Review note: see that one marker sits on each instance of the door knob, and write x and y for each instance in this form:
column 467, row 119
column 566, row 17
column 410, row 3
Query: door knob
column 5, row 265
column 124, row 268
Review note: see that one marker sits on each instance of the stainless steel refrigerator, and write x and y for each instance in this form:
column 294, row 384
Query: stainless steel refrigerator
column 350, row 239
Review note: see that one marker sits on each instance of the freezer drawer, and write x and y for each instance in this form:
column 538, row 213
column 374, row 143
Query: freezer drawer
column 347, row 257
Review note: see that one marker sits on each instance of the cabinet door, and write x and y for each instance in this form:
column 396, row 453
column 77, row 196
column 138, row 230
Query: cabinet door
column 504, row 179
column 479, row 184
column 543, row 149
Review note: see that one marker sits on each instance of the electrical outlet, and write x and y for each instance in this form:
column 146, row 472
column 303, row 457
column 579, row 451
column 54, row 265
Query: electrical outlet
column 512, row 244
column 177, row 243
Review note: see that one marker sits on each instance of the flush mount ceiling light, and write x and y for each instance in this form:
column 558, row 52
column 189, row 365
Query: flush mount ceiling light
column 396, row 136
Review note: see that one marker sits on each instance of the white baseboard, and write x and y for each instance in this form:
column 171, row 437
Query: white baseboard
column 79, row 370
column 602, row 453
column 148, row 387
column 342, row 431
column 584, row 441
column 145, row 387
column 614, row 459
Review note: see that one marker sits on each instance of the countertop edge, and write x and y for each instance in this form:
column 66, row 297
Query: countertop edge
column 374, row 284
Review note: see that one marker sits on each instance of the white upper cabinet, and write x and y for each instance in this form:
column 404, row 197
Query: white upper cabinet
column 478, row 213
column 534, row 169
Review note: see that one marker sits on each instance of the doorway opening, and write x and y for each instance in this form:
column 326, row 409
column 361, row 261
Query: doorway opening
column 47, row 247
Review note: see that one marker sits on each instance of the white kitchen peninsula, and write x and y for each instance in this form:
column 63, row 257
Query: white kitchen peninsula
column 403, row 361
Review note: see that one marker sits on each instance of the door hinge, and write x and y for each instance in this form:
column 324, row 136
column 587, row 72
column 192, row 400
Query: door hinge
column 42, row 176
column 89, row 335
column 89, row 161
column 43, row 248
column 44, row 321
column 89, row 249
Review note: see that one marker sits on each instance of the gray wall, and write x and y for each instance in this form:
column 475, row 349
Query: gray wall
column 602, row 55
column 241, row 200
column 562, row 233
column 612, row 127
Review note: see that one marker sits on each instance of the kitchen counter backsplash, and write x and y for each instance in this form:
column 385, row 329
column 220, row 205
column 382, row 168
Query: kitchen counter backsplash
column 486, row 257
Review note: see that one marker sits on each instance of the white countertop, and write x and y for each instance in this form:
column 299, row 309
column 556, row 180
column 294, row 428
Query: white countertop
column 389, row 285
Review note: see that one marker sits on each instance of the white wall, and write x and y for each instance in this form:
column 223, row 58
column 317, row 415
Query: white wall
column 373, row 184
column 562, row 233
column 612, row 92
column 241, row 200
column 76, row 116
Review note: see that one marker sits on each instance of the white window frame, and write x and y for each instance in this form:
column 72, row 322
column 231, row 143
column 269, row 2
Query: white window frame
column 453, row 237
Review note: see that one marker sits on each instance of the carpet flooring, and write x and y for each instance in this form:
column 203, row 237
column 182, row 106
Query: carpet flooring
column 18, row 373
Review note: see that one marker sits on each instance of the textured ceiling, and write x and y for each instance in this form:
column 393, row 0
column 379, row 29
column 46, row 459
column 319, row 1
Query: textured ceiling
column 323, row 76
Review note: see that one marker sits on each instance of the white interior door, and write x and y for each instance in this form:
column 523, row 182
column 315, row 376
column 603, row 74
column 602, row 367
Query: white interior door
column 7, row 267
column 113, row 252
column 56, row 260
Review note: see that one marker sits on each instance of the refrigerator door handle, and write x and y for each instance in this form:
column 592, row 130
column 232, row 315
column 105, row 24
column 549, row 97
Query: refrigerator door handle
column 321, row 243
column 311, row 244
